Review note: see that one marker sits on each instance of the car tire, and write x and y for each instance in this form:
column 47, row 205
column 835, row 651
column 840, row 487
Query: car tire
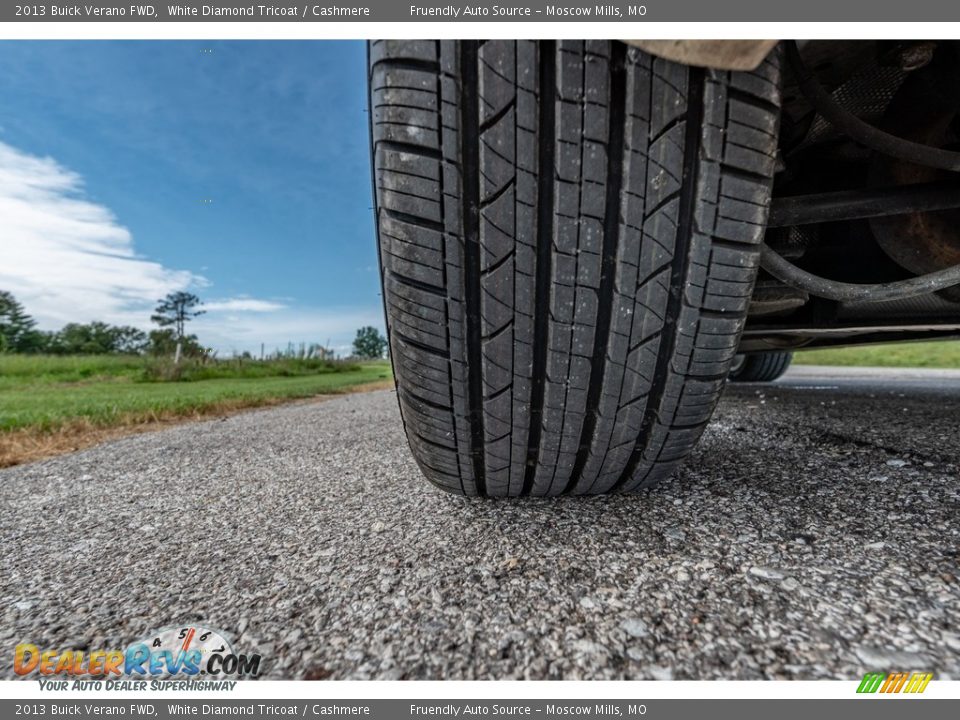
column 760, row 367
column 569, row 236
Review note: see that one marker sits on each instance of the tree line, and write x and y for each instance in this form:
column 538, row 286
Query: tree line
column 19, row 333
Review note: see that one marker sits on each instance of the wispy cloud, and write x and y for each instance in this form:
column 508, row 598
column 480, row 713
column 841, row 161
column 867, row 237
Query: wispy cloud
column 243, row 304
column 236, row 332
column 67, row 258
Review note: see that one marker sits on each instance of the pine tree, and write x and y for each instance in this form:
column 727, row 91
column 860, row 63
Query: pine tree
column 176, row 310
column 16, row 327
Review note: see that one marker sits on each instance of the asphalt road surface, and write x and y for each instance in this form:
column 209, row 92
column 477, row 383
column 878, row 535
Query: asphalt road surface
column 815, row 533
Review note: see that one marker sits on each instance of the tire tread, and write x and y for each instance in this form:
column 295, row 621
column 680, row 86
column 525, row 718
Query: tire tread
column 569, row 235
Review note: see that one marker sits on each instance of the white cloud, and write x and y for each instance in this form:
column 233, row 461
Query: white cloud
column 243, row 304
column 336, row 327
column 68, row 259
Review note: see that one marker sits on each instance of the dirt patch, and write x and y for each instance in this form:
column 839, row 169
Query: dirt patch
column 30, row 444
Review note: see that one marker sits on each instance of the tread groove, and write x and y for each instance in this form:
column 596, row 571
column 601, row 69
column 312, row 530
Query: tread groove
column 401, row 216
column 410, row 148
column 438, row 49
column 498, row 116
column 406, row 339
column 431, row 66
column 497, row 194
column 499, row 263
column 546, row 133
column 413, row 397
column 617, row 115
column 736, row 93
column 737, row 172
column 470, row 179
column 417, row 284
column 688, row 196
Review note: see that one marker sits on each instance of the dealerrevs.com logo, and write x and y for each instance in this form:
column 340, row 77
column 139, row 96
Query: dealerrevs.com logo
column 184, row 652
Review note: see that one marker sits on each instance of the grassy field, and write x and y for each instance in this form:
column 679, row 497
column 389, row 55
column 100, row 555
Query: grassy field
column 51, row 404
column 940, row 354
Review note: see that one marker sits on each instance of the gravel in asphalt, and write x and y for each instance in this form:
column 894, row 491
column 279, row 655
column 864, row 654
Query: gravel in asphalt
column 814, row 533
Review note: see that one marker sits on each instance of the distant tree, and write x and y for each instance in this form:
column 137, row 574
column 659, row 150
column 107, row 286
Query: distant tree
column 98, row 338
column 34, row 341
column 176, row 310
column 164, row 342
column 18, row 333
column 128, row 340
column 79, row 339
column 369, row 343
column 161, row 342
column 16, row 327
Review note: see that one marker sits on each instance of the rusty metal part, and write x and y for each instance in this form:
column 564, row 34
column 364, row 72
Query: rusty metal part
column 921, row 242
column 716, row 54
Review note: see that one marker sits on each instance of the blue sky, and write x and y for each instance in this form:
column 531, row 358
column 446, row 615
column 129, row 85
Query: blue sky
column 239, row 170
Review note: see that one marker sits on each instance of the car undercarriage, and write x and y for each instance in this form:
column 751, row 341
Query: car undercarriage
column 862, row 242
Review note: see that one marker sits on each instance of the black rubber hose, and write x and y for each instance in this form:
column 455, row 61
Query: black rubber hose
column 862, row 132
column 791, row 275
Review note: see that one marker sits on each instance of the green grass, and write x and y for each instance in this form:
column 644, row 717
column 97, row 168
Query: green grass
column 164, row 370
column 21, row 370
column 45, row 393
column 939, row 354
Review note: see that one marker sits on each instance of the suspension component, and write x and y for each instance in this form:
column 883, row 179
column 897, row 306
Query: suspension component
column 864, row 133
column 789, row 274
column 861, row 204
